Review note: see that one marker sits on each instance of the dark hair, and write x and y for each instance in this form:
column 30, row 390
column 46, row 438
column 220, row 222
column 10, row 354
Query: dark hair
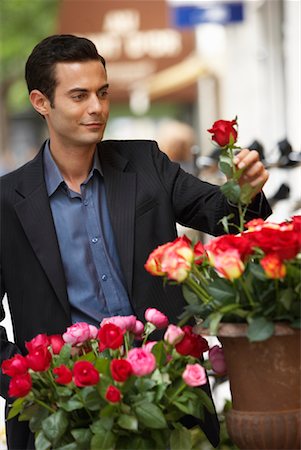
column 40, row 66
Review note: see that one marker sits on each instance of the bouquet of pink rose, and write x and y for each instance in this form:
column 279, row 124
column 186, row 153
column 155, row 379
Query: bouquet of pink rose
column 96, row 389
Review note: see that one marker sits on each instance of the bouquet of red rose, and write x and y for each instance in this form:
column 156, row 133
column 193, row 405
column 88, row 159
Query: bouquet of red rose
column 253, row 277
column 97, row 389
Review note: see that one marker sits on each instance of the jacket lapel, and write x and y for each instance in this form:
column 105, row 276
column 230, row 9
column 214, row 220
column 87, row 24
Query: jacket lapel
column 34, row 213
column 121, row 194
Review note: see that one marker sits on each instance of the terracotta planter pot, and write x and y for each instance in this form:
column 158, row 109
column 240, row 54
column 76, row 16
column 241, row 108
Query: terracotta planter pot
column 265, row 383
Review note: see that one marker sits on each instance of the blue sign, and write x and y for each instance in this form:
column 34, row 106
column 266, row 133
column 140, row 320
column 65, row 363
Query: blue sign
column 220, row 13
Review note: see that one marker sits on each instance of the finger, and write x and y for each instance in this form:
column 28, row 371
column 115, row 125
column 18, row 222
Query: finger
column 246, row 158
column 257, row 176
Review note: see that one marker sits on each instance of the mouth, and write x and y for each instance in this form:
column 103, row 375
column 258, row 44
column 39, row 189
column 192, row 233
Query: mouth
column 93, row 125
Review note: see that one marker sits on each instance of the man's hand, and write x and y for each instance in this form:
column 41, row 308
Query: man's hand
column 254, row 172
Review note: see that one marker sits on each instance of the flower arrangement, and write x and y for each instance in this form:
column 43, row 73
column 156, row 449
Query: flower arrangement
column 95, row 388
column 253, row 277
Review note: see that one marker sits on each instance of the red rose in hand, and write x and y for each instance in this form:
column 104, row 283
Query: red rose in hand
column 39, row 359
column 39, row 340
column 85, row 374
column 121, row 369
column 64, row 375
column 56, row 342
column 223, row 132
column 110, row 336
column 192, row 344
column 20, row 385
column 113, row 394
column 17, row 365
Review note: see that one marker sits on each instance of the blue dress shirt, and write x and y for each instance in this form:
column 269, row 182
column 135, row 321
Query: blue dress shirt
column 94, row 280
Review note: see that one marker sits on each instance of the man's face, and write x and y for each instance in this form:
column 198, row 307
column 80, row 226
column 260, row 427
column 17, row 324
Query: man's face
column 81, row 106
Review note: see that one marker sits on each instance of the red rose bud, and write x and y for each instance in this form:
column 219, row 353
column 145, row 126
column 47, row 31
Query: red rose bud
column 39, row 359
column 20, row 385
column 64, row 375
column 56, row 342
column 121, row 369
column 17, row 365
column 85, row 374
column 39, row 340
column 199, row 253
column 113, row 394
column 223, row 132
column 110, row 336
column 192, row 344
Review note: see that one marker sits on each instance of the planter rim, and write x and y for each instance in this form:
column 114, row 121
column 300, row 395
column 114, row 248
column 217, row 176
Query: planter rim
column 240, row 330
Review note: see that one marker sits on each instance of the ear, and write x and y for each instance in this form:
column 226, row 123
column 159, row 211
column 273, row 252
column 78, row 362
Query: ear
column 39, row 101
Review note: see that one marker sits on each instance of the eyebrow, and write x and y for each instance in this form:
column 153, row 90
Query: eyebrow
column 79, row 89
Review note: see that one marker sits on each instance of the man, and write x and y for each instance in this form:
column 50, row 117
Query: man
column 79, row 221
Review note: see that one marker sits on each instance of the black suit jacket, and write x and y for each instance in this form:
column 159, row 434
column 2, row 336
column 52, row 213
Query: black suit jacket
column 146, row 195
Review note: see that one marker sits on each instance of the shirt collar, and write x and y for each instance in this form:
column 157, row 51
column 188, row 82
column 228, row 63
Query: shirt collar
column 53, row 177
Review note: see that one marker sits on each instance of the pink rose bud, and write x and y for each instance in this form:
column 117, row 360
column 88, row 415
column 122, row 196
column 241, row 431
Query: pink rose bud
column 173, row 334
column 217, row 360
column 194, row 375
column 142, row 361
column 139, row 328
column 127, row 323
column 77, row 333
column 155, row 317
column 149, row 345
column 93, row 331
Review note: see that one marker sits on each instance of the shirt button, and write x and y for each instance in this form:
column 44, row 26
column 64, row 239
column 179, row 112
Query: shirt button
column 104, row 277
column 86, row 203
column 94, row 240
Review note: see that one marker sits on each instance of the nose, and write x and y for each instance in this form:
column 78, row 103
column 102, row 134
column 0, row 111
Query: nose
column 94, row 106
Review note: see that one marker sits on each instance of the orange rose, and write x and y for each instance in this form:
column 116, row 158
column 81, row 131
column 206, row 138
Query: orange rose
column 229, row 264
column 273, row 266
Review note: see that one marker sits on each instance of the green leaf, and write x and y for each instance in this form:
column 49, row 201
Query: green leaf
column 41, row 442
column 225, row 165
column 231, row 190
column 260, row 329
column 71, row 446
column 35, row 423
column 285, row 299
column 190, row 297
column 221, row 290
column 82, row 437
column 150, row 415
column 105, row 423
column 214, row 321
column 72, row 404
column 16, row 408
column 246, row 192
column 55, row 425
column 103, row 366
column 180, row 439
column 103, row 440
column 91, row 398
column 159, row 351
column 205, row 400
column 128, row 422
column 64, row 355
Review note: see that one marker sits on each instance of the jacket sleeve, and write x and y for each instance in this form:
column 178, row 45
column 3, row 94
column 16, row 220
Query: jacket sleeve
column 198, row 204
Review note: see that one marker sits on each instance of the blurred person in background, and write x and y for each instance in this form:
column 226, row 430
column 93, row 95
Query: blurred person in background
column 178, row 141
column 79, row 221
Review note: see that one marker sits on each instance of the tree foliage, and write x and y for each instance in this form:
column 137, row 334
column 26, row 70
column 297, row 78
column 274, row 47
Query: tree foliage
column 23, row 23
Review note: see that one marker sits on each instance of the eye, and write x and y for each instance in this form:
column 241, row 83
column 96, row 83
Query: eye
column 103, row 94
column 78, row 97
